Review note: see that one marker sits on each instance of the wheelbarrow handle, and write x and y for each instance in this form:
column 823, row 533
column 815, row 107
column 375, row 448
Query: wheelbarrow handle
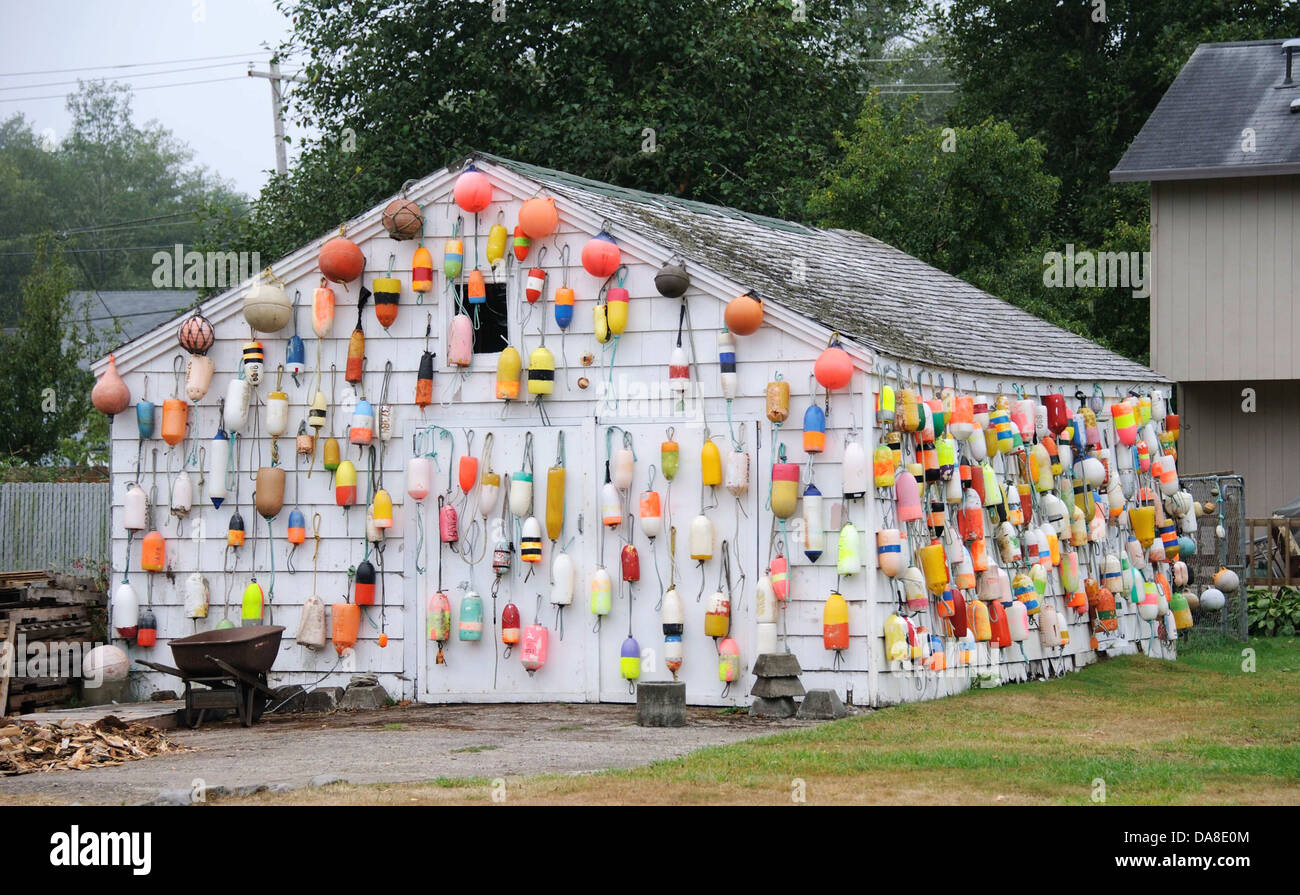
column 238, row 675
column 165, row 669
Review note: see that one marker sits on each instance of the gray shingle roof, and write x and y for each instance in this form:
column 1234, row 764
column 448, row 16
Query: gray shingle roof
column 1196, row 131
column 137, row 310
column 869, row 291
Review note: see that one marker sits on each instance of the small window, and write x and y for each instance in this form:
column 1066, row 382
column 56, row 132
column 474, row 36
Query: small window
column 492, row 333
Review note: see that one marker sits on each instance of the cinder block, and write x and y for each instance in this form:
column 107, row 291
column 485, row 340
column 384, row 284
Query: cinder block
column 822, row 705
column 776, row 687
column 778, row 707
column 290, row 698
column 661, row 704
column 364, row 698
column 323, row 699
column 777, row 665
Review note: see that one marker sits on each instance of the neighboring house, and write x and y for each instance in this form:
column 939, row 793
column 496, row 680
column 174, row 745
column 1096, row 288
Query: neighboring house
column 895, row 313
column 135, row 311
column 1222, row 154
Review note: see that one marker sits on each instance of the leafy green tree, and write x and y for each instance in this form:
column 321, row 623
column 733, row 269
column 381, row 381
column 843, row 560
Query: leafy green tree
column 109, row 187
column 44, row 389
column 964, row 199
column 726, row 101
column 1082, row 77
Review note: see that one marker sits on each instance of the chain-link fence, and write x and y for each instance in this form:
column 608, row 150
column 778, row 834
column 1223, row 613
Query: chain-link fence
column 1222, row 500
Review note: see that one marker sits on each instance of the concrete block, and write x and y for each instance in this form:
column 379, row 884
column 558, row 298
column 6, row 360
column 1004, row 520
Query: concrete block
column 777, row 707
column 661, row 704
column 290, row 698
column 323, row 699
column 777, row 665
column 365, row 698
column 822, row 705
column 776, row 687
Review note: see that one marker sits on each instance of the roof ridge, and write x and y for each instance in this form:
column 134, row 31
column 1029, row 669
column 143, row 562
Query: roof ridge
column 528, row 169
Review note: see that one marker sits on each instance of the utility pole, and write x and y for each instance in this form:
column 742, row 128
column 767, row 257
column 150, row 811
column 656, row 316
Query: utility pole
column 277, row 112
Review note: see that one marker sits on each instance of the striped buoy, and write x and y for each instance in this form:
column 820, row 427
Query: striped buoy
column 530, row 540
column 387, row 292
column 535, row 285
column 508, row 366
column 453, row 258
column 563, row 307
column 541, row 371
column 421, row 270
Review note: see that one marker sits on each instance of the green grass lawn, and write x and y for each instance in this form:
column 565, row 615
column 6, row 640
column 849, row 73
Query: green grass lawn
column 1201, row 730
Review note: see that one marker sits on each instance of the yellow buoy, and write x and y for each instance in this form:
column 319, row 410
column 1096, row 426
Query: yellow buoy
column 508, row 367
column 554, row 502
column 710, row 463
column 541, row 371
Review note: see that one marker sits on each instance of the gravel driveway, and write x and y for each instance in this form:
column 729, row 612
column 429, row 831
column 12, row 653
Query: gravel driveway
column 400, row 744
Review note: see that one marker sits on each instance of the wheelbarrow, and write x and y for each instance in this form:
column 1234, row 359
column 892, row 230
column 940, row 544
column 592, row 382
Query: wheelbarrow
column 231, row 664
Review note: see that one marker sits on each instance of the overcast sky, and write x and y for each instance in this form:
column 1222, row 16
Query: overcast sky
column 226, row 121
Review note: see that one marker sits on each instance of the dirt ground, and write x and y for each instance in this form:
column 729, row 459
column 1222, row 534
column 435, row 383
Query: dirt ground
column 401, row 744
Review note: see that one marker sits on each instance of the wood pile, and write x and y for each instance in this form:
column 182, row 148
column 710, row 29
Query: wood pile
column 52, row 608
column 27, row 747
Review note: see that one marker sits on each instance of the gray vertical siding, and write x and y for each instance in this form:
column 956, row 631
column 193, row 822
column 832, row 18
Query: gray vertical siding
column 1262, row 446
column 53, row 524
column 1227, row 265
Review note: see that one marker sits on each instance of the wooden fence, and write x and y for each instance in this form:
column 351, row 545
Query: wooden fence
column 54, row 525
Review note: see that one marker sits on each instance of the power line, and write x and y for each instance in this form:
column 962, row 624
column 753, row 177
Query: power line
column 143, row 74
column 99, row 249
column 23, row 99
column 110, row 225
column 64, row 71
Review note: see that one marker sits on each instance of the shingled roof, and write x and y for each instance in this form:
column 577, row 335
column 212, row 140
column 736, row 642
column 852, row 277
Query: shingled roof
column 1198, row 129
column 869, row 291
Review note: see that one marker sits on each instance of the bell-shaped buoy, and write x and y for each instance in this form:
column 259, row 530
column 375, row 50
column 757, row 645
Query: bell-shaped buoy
column 110, row 394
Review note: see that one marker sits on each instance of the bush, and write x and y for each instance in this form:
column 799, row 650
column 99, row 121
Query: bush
column 1274, row 612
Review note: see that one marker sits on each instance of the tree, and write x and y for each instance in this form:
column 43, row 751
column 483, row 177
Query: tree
column 1082, row 76
column 44, row 389
column 107, row 189
column 725, row 101
column 964, row 199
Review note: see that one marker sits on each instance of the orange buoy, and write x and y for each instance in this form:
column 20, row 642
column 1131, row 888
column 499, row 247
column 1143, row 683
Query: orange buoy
column 340, row 260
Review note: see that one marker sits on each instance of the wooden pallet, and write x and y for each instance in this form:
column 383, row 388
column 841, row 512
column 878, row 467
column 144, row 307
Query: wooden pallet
column 45, row 619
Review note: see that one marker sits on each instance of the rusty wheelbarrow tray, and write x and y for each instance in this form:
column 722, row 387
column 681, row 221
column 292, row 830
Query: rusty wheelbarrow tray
column 231, row 664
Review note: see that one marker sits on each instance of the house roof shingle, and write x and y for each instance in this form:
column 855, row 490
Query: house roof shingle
column 869, row 291
column 1199, row 128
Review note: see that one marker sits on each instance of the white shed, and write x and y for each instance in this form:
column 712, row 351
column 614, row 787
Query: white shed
column 894, row 313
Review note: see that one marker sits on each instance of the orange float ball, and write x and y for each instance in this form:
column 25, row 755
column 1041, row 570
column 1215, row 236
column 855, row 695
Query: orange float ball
column 601, row 255
column 834, row 366
column 744, row 315
column 473, row 190
column 383, row 640
column 538, row 217
column 341, row 260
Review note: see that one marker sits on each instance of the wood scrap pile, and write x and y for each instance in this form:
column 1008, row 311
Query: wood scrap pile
column 27, row 747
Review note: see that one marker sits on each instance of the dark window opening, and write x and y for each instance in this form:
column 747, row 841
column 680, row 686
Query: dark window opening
column 491, row 334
